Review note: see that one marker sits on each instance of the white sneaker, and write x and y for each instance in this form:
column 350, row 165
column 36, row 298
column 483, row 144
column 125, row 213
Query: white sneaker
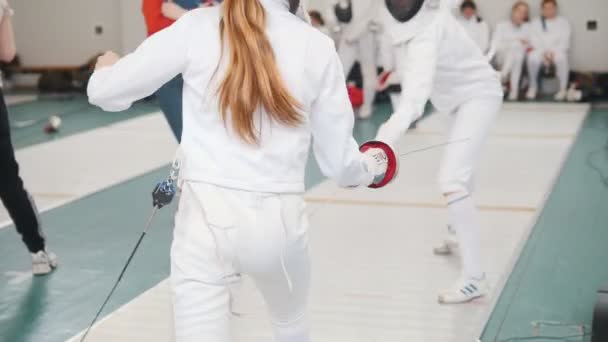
column 465, row 290
column 43, row 262
column 561, row 95
column 365, row 112
column 448, row 245
column 531, row 94
column 513, row 96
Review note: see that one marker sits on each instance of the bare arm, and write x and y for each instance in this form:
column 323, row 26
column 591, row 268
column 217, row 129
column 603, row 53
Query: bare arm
column 7, row 36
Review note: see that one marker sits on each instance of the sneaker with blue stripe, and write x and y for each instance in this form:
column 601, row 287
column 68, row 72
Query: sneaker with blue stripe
column 465, row 290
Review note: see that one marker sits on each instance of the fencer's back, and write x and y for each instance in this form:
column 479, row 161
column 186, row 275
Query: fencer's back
column 213, row 152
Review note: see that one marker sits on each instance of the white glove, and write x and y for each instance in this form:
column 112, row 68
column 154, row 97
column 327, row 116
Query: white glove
column 375, row 163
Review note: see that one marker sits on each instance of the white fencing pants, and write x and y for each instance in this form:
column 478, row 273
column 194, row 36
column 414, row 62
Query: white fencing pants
column 395, row 100
column 222, row 233
column 473, row 121
column 364, row 51
column 511, row 62
column 562, row 67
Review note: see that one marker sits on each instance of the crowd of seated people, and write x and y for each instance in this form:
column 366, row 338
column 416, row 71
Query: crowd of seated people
column 524, row 48
column 539, row 45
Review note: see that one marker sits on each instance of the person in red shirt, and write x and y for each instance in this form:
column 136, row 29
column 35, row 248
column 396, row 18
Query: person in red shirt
column 160, row 14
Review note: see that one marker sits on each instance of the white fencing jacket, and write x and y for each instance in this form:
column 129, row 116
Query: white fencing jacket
column 478, row 30
column 556, row 37
column 436, row 59
column 365, row 12
column 506, row 35
column 213, row 153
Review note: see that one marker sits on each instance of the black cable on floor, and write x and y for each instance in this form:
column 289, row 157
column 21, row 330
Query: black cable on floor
column 591, row 163
column 570, row 338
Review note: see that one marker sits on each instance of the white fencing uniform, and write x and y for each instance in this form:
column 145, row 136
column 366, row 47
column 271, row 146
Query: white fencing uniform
column 478, row 30
column 509, row 47
column 552, row 36
column 221, row 233
column 241, row 210
column 357, row 43
column 388, row 57
column 441, row 62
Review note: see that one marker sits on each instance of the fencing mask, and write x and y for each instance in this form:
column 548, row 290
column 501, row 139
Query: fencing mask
column 404, row 10
column 294, row 5
column 344, row 11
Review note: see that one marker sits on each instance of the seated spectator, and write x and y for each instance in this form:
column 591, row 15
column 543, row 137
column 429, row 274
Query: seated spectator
column 550, row 38
column 510, row 44
column 476, row 27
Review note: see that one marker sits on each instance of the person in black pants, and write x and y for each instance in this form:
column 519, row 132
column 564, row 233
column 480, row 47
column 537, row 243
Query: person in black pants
column 15, row 198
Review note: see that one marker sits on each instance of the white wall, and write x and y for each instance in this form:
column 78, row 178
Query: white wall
column 589, row 51
column 62, row 32
column 133, row 25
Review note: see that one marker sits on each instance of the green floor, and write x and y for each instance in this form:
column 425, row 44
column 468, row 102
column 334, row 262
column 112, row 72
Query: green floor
column 77, row 116
column 564, row 262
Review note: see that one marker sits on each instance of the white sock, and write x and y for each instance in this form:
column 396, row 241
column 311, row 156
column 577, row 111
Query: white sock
column 462, row 214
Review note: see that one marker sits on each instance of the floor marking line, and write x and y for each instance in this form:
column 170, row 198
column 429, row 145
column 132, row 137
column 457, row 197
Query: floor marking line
column 64, row 199
column 483, row 207
column 556, row 136
column 54, row 194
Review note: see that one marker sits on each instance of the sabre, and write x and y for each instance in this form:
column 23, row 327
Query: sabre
column 432, row 147
column 162, row 196
column 424, row 149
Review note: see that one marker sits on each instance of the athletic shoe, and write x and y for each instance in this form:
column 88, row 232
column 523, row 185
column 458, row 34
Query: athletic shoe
column 448, row 245
column 513, row 96
column 365, row 112
column 561, row 95
column 531, row 94
column 43, row 262
column 464, row 291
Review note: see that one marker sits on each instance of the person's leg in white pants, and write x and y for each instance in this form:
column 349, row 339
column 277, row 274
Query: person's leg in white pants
column 472, row 122
column 504, row 62
column 535, row 62
column 517, row 57
column 562, row 67
column 220, row 234
column 395, row 100
column 369, row 71
column 348, row 55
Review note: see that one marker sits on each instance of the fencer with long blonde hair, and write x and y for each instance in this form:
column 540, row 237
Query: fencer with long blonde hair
column 260, row 86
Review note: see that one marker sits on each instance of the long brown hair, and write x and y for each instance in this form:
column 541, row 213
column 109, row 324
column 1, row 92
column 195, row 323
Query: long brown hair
column 252, row 79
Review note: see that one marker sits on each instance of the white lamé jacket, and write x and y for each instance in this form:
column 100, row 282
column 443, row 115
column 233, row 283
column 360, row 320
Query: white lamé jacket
column 213, row 153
